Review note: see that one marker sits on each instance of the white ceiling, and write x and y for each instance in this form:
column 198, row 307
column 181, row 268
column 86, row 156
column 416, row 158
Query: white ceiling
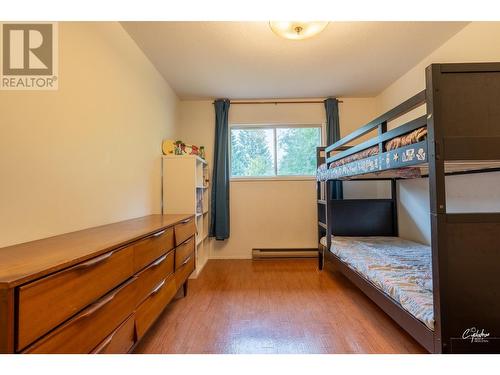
column 244, row 60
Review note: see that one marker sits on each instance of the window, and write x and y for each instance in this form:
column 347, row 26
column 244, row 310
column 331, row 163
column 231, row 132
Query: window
column 274, row 150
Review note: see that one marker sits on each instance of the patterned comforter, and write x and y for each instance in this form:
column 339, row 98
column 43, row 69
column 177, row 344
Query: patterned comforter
column 400, row 268
column 412, row 137
column 407, row 139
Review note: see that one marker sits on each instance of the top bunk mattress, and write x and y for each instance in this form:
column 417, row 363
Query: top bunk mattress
column 400, row 268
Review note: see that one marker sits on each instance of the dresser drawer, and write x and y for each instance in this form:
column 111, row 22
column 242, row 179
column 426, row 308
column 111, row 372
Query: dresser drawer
column 120, row 341
column 153, row 275
column 90, row 327
column 183, row 251
column 185, row 269
column 152, row 247
column 151, row 308
column 45, row 303
column 184, row 230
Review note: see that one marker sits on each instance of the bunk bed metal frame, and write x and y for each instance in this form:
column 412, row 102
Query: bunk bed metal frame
column 463, row 125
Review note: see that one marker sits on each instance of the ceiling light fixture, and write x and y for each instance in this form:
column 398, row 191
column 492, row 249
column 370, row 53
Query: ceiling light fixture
column 297, row 30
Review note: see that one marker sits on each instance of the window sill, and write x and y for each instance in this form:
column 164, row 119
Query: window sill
column 270, row 179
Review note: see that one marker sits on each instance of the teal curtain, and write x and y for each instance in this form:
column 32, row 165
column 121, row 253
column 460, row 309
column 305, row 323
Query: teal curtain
column 332, row 136
column 219, row 218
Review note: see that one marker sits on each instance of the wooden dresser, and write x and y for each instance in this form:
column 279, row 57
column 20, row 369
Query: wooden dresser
column 97, row 290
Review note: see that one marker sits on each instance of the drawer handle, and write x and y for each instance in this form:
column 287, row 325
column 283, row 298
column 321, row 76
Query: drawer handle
column 159, row 261
column 186, row 242
column 100, row 304
column 159, row 233
column 94, row 262
column 105, row 344
column 157, row 288
column 97, row 306
column 186, row 261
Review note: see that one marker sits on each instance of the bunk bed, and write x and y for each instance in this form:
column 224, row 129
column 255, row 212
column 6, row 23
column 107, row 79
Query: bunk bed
column 446, row 295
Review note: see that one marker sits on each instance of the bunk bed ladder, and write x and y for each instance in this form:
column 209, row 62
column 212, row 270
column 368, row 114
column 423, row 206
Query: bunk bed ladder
column 321, row 198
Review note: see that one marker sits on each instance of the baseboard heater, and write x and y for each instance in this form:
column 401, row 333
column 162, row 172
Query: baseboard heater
column 284, row 253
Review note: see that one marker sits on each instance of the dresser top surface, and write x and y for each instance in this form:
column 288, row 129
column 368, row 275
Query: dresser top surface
column 28, row 261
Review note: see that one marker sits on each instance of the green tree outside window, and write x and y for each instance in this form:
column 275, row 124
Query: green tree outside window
column 253, row 151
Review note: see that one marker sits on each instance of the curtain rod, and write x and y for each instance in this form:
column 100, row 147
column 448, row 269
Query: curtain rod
column 279, row 102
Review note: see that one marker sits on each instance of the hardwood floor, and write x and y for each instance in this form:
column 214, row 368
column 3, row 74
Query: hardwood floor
column 274, row 306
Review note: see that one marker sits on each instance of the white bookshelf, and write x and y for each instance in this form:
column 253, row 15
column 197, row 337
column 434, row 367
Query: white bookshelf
column 185, row 190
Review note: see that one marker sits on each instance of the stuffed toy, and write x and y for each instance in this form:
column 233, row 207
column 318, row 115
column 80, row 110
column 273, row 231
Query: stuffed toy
column 171, row 147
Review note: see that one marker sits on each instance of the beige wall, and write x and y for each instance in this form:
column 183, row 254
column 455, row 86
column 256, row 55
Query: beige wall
column 89, row 153
column 477, row 42
column 270, row 213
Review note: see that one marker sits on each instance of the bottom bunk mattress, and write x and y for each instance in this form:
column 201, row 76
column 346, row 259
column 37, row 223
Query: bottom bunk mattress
column 400, row 268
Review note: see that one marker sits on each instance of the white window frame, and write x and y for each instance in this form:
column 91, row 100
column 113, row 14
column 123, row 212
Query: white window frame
column 273, row 126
